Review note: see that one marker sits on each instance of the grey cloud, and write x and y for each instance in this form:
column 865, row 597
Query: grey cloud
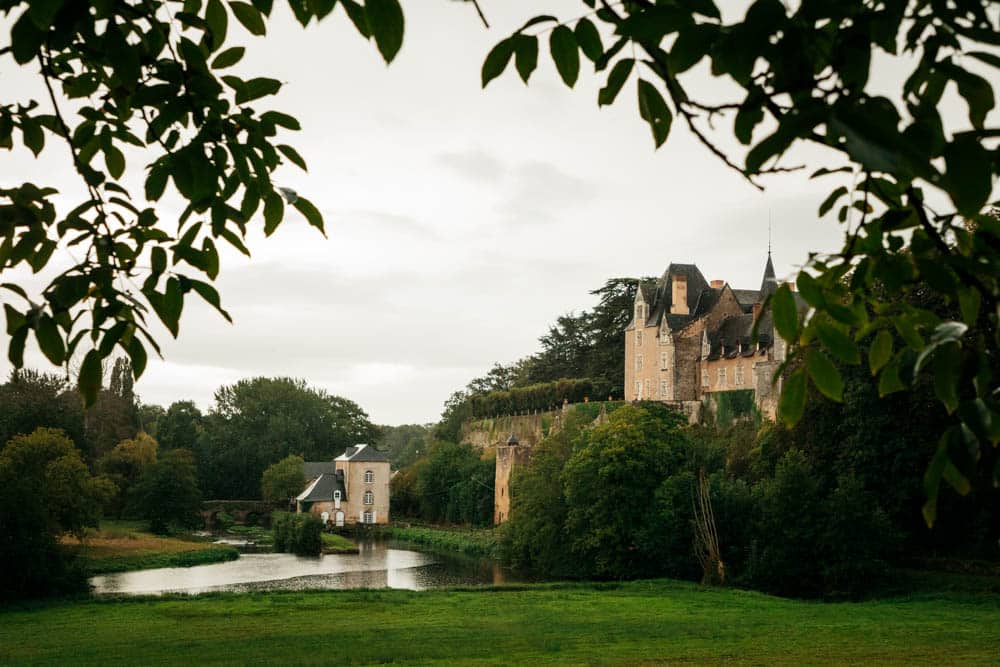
column 476, row 165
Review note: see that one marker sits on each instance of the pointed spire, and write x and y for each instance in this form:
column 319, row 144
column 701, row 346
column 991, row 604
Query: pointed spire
column 769, row 282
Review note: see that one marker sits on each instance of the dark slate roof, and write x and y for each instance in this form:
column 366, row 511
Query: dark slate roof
column 747, row 297
column 769, row 282
column 365, row 453
column 313, row 469
column 696, row 284
column 323, row 488
column 706, row 300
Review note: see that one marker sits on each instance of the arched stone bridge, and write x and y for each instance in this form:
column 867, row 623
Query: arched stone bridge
column 248, row 512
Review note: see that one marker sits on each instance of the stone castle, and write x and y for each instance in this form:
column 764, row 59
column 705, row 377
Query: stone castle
column 690, row 338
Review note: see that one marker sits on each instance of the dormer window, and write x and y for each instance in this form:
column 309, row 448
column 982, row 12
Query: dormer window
column 336, row 495
column 706, row 348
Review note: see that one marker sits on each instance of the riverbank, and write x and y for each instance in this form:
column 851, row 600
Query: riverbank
column 467, row 541
column 612, row 624
column 121, row 546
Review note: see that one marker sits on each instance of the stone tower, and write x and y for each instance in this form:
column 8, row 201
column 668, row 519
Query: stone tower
column 509, row 455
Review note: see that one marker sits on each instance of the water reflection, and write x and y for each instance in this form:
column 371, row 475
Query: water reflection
column 377, row 565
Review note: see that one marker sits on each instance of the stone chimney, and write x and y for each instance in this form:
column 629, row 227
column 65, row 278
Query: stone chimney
column 678, row 300
column 718, row 284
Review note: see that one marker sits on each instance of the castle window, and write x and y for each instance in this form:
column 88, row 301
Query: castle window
column 369, row 498
column 739, row 375
column 704, row 377
column 648, row 392
column 369, row 477
column 638, row 362
column 663, row 360
column 638, row 388
column 722, row 377
column 638, row 338
column 664, row 388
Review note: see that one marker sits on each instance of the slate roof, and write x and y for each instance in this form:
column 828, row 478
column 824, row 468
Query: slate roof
column 313, row 469
column 322, row 488
column 365, row 453
column 768, row 283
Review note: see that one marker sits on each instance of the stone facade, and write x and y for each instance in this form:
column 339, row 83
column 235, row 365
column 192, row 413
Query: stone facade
column 509, row 456
column 690, row 338
column 352, row 489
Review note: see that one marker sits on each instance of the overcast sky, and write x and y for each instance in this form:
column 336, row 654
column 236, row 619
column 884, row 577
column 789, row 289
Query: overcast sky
column 460, row 222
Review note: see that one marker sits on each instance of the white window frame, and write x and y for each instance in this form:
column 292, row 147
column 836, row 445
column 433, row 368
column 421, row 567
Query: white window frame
column 721, row 380
column 369, row 476
column 739, row 379
column 336, row 494
column 369, row 498
column 664, row 388
column 368, row 517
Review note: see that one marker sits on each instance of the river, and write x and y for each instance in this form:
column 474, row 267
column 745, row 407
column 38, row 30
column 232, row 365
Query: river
column 379, row 564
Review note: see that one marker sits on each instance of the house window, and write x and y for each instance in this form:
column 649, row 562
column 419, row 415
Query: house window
column 739, row 375
column 704, row 377
column 638, row 389
column 664, row 388
column 638, row 338
column 368, row 517
column 369, row 498
column 369, row 477
column 722, row 377
column 638, row 362
column 648, row 392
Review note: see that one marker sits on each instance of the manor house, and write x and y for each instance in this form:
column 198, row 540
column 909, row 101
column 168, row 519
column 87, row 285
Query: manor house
column 690, row 338
column 352, row 488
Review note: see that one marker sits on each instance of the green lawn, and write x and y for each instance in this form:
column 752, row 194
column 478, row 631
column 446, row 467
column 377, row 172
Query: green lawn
column 337, row 544
column 468, row 541
column 118, row 546
column 632, row 624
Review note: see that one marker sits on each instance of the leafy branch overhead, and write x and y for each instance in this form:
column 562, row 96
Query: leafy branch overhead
column 915, row 285
column 147, row 81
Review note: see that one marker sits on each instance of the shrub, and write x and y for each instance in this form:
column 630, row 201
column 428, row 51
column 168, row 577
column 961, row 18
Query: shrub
column 297, row 533
column 224, row 520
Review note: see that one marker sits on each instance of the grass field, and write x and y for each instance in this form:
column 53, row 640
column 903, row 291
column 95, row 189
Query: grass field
column 468, row 541
column 337, row 544
column 119, row 546
column 636, row 623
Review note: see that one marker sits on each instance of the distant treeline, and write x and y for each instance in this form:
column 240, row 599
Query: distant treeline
column 537, row 397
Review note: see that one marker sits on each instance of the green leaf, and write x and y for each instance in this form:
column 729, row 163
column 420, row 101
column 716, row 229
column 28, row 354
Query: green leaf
column 692, row 44
column 274, row 210
column 249, row 16
column 15, row 349
column 968, row 176
column 810, row 290
column 228, row 58
column 838, row 343
column 525, row 55
column 385, row 20
column 173, row 304
column 281, row 119
column 786, row 316
column 616, row 79
column 256, row 88
column 158, row 258
column 89, row 380
column 947, row 366
column 211, row 296
column 312, row 214
column 218, row 22
column 49, row 340
column 34, row 137
column 654, row 111
column 25, row 39
column 588, row 39
column 358, row 17
column 137, row 353
column 747, row 118
column 792, row 402
column 115, row 161
column 828, row 203
column 496, row 60
column 825, row 375
column 293, row 155
column 43, row 12
column 880, row 351
column 944, row 333
column 889, row 381
column 565, row 54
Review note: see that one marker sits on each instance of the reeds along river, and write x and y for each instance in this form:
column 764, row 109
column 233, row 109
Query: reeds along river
column 378, row 564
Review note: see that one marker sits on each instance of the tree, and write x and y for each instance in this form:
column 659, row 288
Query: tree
column 167, row 494
column 126, row 463
column 30, row 399
column 260, row 421
column 45, row 490
column 802, row 75
column 283, row 480
column 180, row 426
column 404, row 443
column 454, row 484
column 150, row 75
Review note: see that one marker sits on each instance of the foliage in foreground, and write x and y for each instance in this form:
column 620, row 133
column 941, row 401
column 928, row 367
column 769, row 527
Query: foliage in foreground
column 471, row 542
column 642, row 622
column 913, row 184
